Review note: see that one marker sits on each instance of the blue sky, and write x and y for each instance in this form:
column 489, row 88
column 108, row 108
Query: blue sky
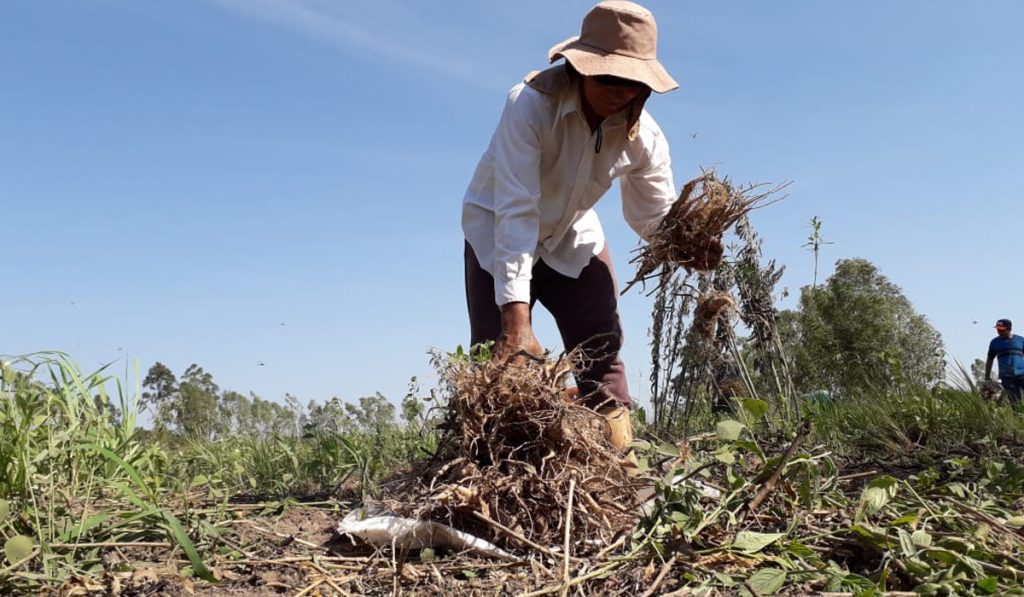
column 230, row 182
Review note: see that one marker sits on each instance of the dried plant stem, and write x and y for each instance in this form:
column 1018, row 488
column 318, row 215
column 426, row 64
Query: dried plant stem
column 545, row 550
column 568, row 534
column 661, row 577
column 769, row 484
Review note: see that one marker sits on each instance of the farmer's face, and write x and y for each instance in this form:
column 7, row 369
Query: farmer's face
column 608, row 95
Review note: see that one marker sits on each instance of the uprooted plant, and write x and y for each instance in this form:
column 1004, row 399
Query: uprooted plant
column 690, row 234
column 520, row 461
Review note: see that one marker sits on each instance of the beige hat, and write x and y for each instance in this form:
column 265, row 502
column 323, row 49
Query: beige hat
column 618, row 38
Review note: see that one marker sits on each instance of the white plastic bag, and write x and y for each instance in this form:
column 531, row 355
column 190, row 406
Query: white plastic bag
column 382, row 529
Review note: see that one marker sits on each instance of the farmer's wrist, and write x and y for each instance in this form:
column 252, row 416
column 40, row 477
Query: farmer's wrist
column 515, row 315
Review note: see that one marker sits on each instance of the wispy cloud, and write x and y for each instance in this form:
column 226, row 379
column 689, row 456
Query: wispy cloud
column 380, row 29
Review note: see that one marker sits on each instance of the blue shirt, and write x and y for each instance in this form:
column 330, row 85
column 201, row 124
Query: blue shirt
column 1010, row 352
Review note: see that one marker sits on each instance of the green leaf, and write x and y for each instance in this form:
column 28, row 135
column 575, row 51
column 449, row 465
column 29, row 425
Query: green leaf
column 17, row 548
column 908, row 519
column 751, row 542
column 767, row 580
column 957, row 489
column 921, row 538
column 132, row 473
column 725, row 455
column 1015, row 521
column 667, row 449
column 5, row 510
column 906, row 543
column 857, row 583
column 989, row 585
column 90, row 523
column 756, row 408
column 876, row 538
column 800, row 550
column 876, row 495
column 729, row 429
column 183, row 540
column 940, row 555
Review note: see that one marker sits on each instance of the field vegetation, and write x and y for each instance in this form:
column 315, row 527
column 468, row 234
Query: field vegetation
column 822, row 450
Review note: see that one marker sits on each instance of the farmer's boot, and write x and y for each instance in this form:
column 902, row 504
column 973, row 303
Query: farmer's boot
column 620, row 426
column 619, row 433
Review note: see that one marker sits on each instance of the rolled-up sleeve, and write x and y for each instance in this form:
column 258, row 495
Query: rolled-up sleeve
column 517, row 153
column 647, row 189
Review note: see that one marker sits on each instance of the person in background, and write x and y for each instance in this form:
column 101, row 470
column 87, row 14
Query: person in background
column 531, row 233
column 1008, row 348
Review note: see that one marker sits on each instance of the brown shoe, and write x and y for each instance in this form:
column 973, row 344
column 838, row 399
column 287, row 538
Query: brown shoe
column 620, row 426
column 619, row 433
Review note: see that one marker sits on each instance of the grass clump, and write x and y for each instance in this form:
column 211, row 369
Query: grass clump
column 912, row 419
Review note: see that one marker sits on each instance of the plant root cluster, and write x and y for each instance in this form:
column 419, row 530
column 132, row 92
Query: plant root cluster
column 710, row 309
column 690, row 234
column 522, row 459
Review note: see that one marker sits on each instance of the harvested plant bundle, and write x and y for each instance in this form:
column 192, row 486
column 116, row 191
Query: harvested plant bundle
column 520, row 460
column 690, row 235
column 710, row 308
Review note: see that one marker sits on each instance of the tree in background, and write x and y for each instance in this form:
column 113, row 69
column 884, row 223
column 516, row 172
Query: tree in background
column 161, row 395
column 197, row 404
column 196, row 408
column 858, row 331
column 374, row 413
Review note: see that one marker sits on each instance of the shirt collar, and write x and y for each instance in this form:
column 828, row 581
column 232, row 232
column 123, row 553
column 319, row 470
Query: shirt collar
column 570, row 102
column 557, row 80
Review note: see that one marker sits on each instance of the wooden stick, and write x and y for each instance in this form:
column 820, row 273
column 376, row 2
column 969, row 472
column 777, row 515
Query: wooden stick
column 296, row 559
column 326, row 576
column 769, row 485
column 291, row 538
column 887, row 594
column 110, row 544
column 568, row 533
column 611, row 547
column 18, row 564
column 661, row 577
column 515, row 535
column 578, row 580
column 984, row 517
column 315, row 584
column 857, row 475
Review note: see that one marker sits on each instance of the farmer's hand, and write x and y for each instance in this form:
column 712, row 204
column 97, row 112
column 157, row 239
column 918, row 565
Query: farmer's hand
column 516, row 332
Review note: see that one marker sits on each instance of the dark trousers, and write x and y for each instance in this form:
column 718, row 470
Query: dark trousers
column 585, row 310
column 1013, row 386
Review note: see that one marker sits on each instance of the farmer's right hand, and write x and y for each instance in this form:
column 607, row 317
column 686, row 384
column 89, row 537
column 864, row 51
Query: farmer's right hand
column 516, row 333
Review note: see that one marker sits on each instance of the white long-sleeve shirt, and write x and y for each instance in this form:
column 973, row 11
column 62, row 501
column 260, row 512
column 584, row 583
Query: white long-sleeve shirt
column 532, row 194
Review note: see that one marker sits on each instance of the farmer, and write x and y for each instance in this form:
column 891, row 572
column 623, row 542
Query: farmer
column 1009, row 349
column 531, row 232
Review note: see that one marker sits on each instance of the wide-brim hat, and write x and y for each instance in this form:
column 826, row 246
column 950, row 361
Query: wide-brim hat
column 618, row 38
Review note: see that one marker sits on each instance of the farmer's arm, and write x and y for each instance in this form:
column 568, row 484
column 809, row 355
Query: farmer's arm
column 517, row 148
column 516, row 332
column 648, row 190
column 988, row 364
